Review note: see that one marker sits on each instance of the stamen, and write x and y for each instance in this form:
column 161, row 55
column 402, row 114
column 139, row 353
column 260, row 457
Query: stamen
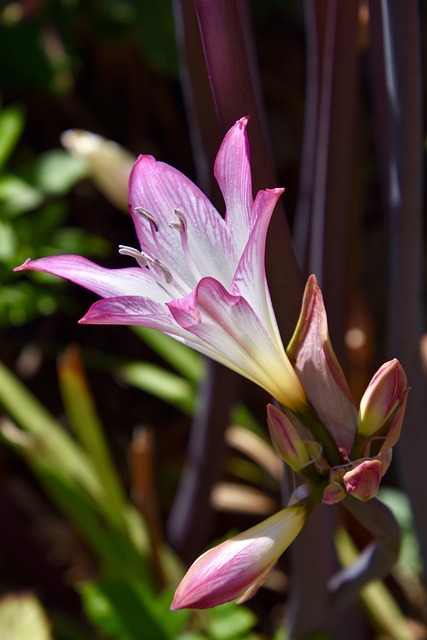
column 139, row 256
column 144, row 260
column 182, row 220
column 148, row 216
column 154, row 262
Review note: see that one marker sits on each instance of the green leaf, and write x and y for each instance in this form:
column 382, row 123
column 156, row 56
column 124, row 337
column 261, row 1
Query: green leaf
column 161, row 383
column 55, row 172
column 82, row 414
column 49, row 436
column 11, row 126
column 22, row 618
column 17, row 196
column 126, row 611
column 230, row 622
column 183, row 359
column 397, row 501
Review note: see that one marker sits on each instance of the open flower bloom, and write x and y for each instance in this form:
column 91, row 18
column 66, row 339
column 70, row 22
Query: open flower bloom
column 198, row 277
column 237, row 567
column 357, row 451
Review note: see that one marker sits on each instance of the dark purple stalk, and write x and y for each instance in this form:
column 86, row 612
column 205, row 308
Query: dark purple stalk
column 190, row 521
column 229, row 55
column 191, row 516
column 324, row 203
column 321, row 235
column 396, row 82
column 225, row 35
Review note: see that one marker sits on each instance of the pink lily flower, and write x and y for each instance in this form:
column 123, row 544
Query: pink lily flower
column 198, row 277
column 236, row 568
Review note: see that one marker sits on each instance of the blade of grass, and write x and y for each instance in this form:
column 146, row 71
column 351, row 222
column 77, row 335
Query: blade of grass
column 82, row 414
column 117, row 552
column 186, row 361
column 11, row 127
column 161, row 383
column 33, row 418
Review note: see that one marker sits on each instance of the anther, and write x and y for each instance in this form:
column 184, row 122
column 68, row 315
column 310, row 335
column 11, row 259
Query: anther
column 148, row 216
column 140, row 257
column 182, row 221
column 163, row 268
column 145, row 260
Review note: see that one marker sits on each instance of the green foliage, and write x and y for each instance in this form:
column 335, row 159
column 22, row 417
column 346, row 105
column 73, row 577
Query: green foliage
column 123, row 610
column 397, row 501
column 231, row 622
column 11, row 127
column 36, row 190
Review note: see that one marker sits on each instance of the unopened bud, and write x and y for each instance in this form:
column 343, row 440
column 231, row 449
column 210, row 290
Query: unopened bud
column 363, row 481
column 382, row 397
column 286, row 439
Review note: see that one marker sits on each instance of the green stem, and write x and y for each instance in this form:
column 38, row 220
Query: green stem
column 311, row 420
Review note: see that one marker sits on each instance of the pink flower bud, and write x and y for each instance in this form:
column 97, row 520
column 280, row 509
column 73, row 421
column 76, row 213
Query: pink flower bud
column 333, row 493
column 237, row 567
column 286, row 440
column 384, row 394
column 363, row 481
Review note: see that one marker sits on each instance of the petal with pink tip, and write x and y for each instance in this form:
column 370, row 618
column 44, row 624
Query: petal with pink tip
column 104, row 282
column 228, row 325
column 311, row 353
column 250, row 278
column 233, row 173
column 160, row 189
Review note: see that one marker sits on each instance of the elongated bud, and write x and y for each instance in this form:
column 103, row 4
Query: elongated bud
column 382, row 397
column 237, row 567
column 109, row 164
column 286, row 440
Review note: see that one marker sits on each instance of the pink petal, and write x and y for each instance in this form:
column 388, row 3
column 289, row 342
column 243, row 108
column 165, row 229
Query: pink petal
column 250, row 278
column 133, row 311
column 393, row 433
column 160, row 189
column 233, row 173
column 319, row 371
column 105, row 282
column 230, row 327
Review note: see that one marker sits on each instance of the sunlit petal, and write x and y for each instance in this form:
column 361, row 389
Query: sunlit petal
column 311, row 353
column 104, row 282
column 229, row 325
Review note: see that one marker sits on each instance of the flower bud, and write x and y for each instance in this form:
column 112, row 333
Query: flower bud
column 363, row 481
column 333, row 493
column 286, row 439
column 237, row 567
column 382, row 397
column 108, row 163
